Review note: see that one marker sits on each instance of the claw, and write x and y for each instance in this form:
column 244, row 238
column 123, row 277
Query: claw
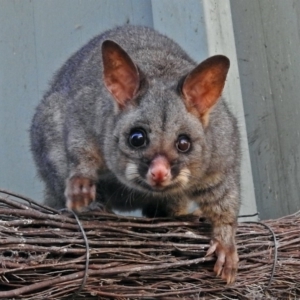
column 227, row 260
column 211, row 249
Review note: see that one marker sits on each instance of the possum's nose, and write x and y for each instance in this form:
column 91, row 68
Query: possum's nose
column 159, row 174
column 159, row 170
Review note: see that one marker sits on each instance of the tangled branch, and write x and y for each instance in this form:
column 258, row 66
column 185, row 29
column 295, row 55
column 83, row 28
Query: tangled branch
column 43, row 256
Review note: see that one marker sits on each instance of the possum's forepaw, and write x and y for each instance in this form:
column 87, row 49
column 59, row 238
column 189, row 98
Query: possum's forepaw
column 227, row 260
column 79, row 193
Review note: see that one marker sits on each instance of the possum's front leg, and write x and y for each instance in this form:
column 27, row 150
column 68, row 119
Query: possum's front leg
column 223, row 215
column 85, row 163
column 80, row 192
column 223, row 244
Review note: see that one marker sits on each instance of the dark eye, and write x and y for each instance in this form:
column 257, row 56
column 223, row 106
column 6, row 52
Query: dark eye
column 183, row 143
column 137, row 138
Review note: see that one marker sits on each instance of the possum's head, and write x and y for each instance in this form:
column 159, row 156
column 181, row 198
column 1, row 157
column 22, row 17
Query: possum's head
column 158, row 143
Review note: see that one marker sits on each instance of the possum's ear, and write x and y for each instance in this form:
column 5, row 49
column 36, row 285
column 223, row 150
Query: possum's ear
column 121, row 76
column 203, row 86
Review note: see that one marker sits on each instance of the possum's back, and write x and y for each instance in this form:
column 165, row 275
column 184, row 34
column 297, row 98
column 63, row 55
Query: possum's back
column 143, row 44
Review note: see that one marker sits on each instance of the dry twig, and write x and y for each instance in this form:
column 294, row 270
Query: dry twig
column 43, row 256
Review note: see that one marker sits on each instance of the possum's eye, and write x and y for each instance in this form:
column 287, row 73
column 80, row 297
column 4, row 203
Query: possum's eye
column 183, row 143
column 137, row 138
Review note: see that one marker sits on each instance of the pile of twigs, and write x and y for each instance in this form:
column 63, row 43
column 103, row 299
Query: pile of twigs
column 43, row 256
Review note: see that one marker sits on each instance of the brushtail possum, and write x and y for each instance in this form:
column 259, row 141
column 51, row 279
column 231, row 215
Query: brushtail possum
column 132, row 121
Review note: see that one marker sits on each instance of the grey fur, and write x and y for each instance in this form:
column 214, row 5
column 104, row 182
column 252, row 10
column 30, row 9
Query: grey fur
column 78, row 112
column 78, row 107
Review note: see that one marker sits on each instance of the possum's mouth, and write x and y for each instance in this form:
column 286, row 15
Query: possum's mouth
column 159, row 185
column 157, row 188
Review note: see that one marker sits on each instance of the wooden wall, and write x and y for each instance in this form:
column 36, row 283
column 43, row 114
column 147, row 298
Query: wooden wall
column 268, row 50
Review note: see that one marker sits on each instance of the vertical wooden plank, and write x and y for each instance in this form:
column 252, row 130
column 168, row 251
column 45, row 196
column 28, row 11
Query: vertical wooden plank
column 284, row 69
column 267, row 39
column 220, row 38
column 18, row 85
column 184, row 22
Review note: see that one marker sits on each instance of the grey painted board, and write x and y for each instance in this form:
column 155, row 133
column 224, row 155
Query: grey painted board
column 183, row 23
column 267, row 41
column 36, row 37
column 18, row 85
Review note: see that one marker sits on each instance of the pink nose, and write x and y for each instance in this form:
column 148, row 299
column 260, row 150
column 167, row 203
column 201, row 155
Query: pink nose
column 159, row 173
column 159, row 169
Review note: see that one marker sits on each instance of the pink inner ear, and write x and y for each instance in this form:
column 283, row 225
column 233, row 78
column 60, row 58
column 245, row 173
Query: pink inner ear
column 120, row 73
column 203, row 86
column 122, row 86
